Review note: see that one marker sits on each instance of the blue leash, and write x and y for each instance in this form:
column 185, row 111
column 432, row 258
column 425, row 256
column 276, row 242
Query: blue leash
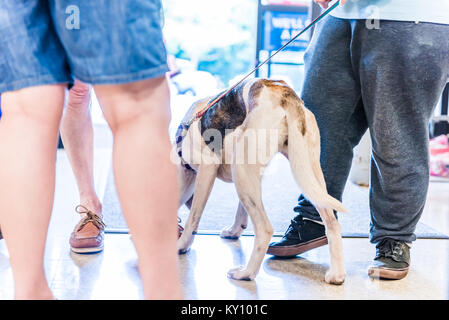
column 213, row 102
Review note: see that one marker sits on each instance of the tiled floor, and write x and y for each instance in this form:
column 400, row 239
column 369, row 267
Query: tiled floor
column 113, row 274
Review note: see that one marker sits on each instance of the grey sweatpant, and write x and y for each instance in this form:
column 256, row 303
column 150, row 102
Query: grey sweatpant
column 388, row 81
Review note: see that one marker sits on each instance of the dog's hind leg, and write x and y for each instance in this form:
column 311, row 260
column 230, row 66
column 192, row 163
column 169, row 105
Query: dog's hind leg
column 336, row 274
column 247, row 179
column 203, row 185
column 240, row 224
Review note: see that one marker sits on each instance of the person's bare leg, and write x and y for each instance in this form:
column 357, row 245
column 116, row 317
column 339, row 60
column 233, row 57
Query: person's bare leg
column 77, row 135
column 28, row 135
column 146, row 179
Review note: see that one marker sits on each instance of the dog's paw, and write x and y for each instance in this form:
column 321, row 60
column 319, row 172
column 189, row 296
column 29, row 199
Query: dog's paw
column 333, row 277
column 240, row 274
column 182, row 246
column 228, row 233
column 183, row 251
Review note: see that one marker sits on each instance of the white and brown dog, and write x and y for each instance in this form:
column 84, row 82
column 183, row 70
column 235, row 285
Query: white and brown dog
column 234, row 141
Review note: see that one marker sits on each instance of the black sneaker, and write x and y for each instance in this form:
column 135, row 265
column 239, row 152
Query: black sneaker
column 392, row 260
column 1, row 236
column 302, row 235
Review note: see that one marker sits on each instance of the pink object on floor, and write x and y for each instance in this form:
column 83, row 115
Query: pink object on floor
column 442, row 139
column 439, row 156
column 439, row 145
column 438, row 169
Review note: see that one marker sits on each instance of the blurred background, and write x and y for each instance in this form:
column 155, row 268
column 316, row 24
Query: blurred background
column 213, row 44
column 218, row 37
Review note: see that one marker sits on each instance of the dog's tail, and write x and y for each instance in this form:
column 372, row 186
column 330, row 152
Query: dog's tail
column 301, row 162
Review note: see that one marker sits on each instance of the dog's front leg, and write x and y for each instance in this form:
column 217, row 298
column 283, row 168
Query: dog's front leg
column 240, row 224
column 186, row 181
column 203, row 185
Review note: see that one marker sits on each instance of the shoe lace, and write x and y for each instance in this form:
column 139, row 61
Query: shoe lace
column 295, row 227
column 180, row 228
column 90, row 217
column 390, row 248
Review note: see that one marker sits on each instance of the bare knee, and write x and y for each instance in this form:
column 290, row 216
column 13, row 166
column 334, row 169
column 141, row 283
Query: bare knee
column 79, row 97
column 143, row 101
column 41, row 105
column 139, row 90
column 80, row 89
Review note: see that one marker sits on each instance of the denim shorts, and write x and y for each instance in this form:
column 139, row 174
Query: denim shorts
column 98, row 42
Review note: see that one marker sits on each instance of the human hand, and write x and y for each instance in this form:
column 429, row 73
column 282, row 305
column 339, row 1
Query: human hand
column 325, row 3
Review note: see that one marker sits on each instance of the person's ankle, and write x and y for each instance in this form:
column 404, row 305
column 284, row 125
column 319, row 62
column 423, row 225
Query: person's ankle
column 34, row 296
column 41, row 292
column 93, row 205
column 167, row 295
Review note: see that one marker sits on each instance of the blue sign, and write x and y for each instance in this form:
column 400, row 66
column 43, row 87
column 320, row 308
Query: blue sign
column 279, row 27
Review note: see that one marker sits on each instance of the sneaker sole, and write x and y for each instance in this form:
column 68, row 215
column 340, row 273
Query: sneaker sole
column 290, row 251
column 385, row 273
column 87, row 250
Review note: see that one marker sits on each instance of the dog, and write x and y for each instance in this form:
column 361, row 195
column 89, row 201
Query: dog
column 219, row 145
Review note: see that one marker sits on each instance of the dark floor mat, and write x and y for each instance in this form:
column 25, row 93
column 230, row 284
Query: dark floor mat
column 280, row 193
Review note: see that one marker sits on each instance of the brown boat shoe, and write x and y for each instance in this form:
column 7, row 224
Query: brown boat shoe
column 180, row 228
column 88, row 235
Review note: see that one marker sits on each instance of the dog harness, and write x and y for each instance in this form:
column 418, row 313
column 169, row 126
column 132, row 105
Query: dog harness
column 180, row 134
